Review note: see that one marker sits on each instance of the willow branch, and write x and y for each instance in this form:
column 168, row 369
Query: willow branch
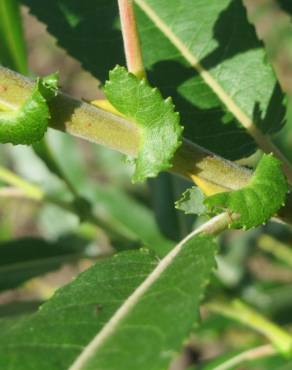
column 86, row 121
column 280, row 250
column 249, row 355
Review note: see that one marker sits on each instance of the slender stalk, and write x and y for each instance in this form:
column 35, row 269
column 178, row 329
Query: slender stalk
column 30, row 190
column 99, row 126
column 131, row 38
column 23, row 189
column 11, row 34
column 249, row 355
column 278, row 249
column 14, row 193
column 240, row 312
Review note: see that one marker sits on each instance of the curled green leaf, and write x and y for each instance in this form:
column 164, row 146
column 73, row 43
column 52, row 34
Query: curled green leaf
column 257, row 202
column 159, row 123
column 28, row 124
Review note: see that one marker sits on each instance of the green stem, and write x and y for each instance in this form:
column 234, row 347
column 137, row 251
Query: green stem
column 240, row 312
column 249, row 355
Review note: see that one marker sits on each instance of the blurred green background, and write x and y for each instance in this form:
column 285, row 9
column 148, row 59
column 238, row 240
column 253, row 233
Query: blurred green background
column 254, row 265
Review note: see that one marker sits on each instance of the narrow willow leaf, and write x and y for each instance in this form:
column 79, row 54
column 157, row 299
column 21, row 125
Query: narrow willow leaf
column 44, row 152
column 139, row 224
column 232, row 360
column 22, row 259
column 159, row 123
column 164, row 190
column 192, row 202
column 88, row 30
column 257, row 202
column 153, row 323
column 15, row 309
column 141, row 310
column 246, row 315
column 28, row 124
column 53, row 338
column 13, row 49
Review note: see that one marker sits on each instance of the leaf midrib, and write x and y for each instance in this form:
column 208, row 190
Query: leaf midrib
column 194, row 62
column 215, row 224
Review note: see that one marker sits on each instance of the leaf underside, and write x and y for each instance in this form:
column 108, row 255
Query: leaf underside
column 25, row 258
column 145, row 338
column 158, row 122
column 29, row 123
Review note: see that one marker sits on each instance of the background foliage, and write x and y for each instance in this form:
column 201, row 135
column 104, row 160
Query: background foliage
column 126, row 230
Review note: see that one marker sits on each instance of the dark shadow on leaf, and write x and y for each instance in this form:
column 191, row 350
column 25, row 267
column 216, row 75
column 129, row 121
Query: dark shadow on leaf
column 25, row 258
column 286, row 5
column 274, row 119
column 233, row 33
column 16, row 308
column 87, row 30
column 210, row 126
column 90, row 33
column 165, row 189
